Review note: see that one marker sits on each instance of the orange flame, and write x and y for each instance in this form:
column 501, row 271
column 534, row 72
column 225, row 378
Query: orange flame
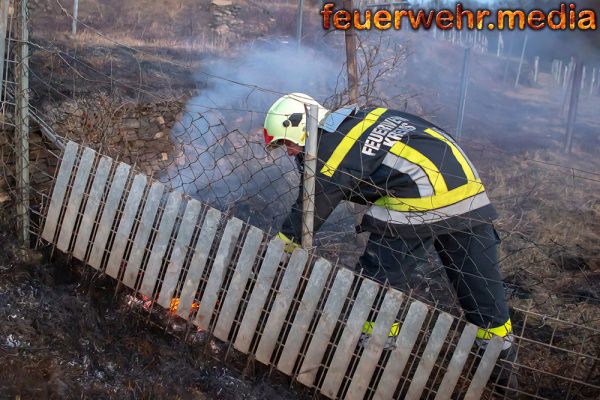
column 175, row 304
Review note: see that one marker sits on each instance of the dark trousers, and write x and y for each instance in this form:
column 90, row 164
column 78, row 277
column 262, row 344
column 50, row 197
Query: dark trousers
column 470, row 261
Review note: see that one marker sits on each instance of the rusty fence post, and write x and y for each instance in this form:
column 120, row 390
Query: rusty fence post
column 350, row 38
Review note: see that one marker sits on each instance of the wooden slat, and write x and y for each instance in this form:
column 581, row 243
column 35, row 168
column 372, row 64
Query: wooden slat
column 125, row 225
column 108, row 214
column 79, row 185
column 196, row 269
column 283, row 301
column 327, row 321
column 259, row 295
column 304, row 315
column 457, row 363
column 411, row 328
column 485, row 368
column 217, row 273
column 238, row 283
column 144, row 229
column 91, row 208
column 60, row 188
column 429, row 356
column 184, row 237
column 161, row 243
column 370, row 357
column 347, row 344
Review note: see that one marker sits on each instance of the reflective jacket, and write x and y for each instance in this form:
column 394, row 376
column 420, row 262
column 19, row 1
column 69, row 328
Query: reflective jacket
column 413, row 175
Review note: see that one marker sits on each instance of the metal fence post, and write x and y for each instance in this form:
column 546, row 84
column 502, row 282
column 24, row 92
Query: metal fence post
column 298, row 23
column 22, row 120
column 559, row 69
column 310, row 168
column 500, row 44
column 463, row 93
column 4, row 4
column 521, row 60
column 75, row 12
column 573, row 104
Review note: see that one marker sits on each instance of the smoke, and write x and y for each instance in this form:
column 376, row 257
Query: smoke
column 221, row 158
column 530, row 115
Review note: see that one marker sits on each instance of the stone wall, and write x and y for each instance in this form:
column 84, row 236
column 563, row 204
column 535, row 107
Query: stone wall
column 137, row 134
column 133, row 133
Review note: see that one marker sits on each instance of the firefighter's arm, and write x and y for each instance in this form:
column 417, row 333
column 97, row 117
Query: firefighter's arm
column 327, row 196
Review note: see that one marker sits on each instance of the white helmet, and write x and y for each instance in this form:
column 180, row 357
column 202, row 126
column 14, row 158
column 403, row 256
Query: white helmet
column 286, row 119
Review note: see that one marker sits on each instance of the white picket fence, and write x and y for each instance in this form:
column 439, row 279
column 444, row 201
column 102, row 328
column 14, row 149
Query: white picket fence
column 296, row 313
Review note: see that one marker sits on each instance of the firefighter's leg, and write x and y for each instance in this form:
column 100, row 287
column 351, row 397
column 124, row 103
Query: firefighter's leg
column 471, row 263
column 396, row 262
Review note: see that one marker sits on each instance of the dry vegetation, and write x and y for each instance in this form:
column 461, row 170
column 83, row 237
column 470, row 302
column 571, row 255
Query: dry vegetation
column 550, row 219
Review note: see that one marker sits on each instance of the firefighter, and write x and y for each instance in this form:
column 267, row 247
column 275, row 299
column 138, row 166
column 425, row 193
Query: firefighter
column 421, row 191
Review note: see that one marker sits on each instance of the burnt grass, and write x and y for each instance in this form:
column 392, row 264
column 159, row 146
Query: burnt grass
column 65, row 334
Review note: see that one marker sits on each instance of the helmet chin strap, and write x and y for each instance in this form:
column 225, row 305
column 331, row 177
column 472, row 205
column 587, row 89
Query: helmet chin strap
column 303, row 137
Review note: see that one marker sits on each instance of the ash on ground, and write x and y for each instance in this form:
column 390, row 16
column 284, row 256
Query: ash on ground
column 65, row 334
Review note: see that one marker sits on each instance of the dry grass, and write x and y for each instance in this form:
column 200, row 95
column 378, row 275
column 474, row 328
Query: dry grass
column 550, row 223
column 206, row 42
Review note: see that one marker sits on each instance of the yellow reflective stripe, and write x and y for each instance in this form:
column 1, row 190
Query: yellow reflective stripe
column 416, row 157
column 432, row 202
column 395, row 329
column 460, row 157
column 285, row 239
column 501, row 331
column 348, row 141
column 368, row 328
column 289, row 244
